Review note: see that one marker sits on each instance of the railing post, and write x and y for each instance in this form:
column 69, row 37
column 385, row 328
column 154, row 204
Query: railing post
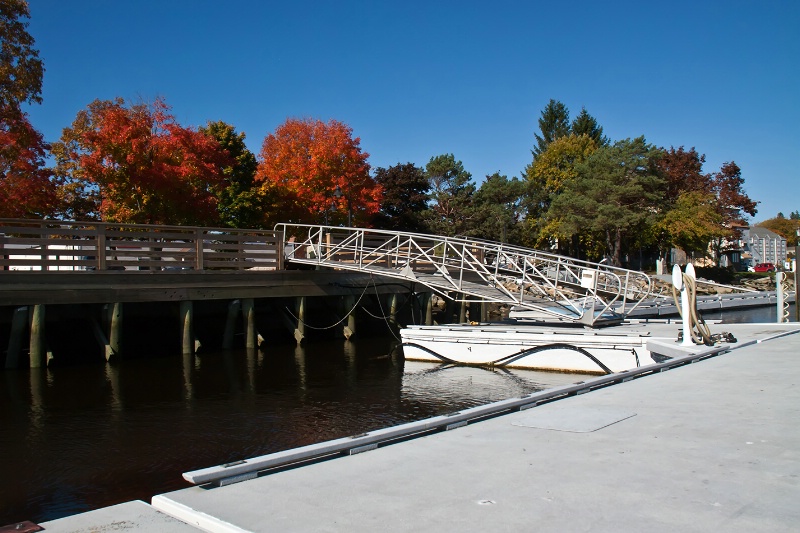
column 43, row 235
column 327, row 246
column 198, row 246
column 100, row 245
column 2, row 251
column 360, row 248
column 282, row 250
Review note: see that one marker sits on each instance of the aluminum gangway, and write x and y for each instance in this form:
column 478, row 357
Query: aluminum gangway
column 473, row 270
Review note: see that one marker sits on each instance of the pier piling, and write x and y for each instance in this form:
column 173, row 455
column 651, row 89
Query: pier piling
column 19, row 321
column 249, row 317
column 427, row 299
column 114, row 346
column 187, row 327
column 38, row 353
column 234, row 308
column 349, row 307
column 299, row 332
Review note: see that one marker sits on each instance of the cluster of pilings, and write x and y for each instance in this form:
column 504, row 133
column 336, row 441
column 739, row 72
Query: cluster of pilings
column 47, row 334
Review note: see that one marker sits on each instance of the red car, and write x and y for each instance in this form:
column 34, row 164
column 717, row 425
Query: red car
column 764, row 267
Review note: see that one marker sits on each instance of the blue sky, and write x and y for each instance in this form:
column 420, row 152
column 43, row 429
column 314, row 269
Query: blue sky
column 419, row 79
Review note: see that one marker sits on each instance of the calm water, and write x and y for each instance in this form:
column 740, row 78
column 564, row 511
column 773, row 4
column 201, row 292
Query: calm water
column 79, row 438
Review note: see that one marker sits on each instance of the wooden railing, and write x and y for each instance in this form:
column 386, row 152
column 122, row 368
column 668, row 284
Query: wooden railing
column 54, row 245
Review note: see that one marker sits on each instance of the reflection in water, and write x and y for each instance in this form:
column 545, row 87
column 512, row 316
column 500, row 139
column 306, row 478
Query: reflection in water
column 79, row 438
column 767, row 314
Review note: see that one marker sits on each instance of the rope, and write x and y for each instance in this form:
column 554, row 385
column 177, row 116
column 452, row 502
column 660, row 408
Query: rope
column 337, row 323
column 385, row 318
column 700, row 332
column 366, row 287
column 782, row 286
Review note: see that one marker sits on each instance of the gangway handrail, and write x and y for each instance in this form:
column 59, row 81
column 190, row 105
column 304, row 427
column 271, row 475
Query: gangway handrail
column 477, row 269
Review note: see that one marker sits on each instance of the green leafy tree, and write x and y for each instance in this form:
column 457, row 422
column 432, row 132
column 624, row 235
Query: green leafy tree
column 553, row 123
column 240, row 203
column 795, row 215
column 615, row 197
column 586, row 124
column 546, row 177
column 451, row 211
column 405, row 198
column 691, row 222
column 684, row 218
column 499, row 209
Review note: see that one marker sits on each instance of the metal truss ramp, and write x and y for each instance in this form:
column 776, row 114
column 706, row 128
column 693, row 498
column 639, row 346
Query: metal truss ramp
column 473, row 270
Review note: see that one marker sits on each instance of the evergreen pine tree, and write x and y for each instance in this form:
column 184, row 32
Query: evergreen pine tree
column 586, row 124
column 554, row 123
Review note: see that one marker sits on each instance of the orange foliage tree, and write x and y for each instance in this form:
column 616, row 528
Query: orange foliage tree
column 319, row 172
column 26, row 190
column 138, row 165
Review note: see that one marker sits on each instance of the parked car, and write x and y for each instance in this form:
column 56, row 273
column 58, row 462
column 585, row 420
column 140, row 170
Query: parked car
column 764, row 267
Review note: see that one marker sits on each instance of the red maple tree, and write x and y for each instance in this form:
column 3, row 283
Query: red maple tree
column 319, row 172
column 143, row 165
column 26, row 189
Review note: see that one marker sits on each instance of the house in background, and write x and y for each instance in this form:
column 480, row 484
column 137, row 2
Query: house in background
column 754, row 245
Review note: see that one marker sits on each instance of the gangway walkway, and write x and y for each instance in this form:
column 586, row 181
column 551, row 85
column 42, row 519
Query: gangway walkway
column 560, row 287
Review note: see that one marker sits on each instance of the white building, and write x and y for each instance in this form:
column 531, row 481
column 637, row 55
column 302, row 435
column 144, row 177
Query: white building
column 762, row 246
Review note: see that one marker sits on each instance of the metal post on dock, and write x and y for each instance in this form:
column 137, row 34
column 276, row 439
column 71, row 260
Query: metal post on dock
column 796, row 285
column 782, row 292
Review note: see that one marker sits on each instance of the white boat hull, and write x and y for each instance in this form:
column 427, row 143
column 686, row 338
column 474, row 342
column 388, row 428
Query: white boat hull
column 566, row 349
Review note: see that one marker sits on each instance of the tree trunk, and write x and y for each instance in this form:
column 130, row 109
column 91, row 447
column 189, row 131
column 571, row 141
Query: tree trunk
column 618, row 248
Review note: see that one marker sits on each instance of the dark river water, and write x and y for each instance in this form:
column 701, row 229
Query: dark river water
column 73, row 439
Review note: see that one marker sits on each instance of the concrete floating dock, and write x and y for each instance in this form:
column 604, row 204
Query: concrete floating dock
column 712, row 446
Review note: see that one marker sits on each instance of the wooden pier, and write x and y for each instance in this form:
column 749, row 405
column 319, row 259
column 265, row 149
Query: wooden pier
column 95, row 271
